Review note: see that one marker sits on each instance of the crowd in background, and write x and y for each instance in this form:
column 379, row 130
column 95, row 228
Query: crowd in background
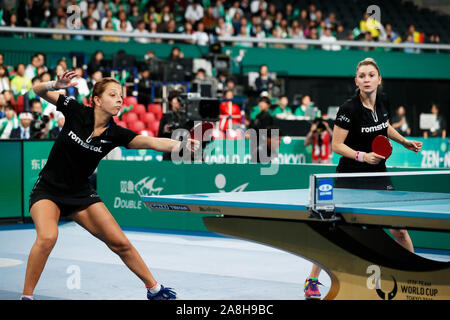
column 200, row 18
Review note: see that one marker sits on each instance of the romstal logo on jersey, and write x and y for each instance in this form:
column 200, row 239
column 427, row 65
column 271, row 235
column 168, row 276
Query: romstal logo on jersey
column 379, row 127
column 79, row 141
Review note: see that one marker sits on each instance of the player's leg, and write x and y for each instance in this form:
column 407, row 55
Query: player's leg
column 402, row 237
column 99, row 222
column 45, row 215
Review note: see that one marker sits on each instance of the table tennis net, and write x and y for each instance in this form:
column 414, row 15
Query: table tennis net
column 380, row 187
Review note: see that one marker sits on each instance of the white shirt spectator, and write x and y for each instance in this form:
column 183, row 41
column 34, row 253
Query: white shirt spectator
column 194, row 12
column 142, row 40
column 254, row 6
column 4, row 84
column 329, row 38
column 201, row 38
column 82, row 86
column 30, row 72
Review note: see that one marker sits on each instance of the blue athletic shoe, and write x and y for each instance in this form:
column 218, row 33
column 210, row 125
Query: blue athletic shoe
column 163, row 294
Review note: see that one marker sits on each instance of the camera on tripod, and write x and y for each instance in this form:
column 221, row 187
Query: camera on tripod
column 195, row 108
column 38, row 124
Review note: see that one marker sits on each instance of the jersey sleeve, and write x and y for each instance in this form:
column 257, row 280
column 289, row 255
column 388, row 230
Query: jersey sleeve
column 123, row 136
column 344, row 117
column 68, row 105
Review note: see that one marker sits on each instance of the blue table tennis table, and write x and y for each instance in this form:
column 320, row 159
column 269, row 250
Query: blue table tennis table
column 345, row 236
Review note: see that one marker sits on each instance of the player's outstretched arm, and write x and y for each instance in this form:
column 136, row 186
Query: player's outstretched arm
column 161, row 144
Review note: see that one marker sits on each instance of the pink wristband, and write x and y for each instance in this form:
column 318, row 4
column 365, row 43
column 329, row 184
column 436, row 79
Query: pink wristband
column 360, row 156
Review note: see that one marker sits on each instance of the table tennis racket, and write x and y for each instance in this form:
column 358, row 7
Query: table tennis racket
column 382, row 146
column 199, row 130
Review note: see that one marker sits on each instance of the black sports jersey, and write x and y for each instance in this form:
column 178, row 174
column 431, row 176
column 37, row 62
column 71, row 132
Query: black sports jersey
column 363, row 126
column 75, row 154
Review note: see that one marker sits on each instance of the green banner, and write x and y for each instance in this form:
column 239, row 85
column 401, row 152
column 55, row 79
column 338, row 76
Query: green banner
column 35, row 155
column 11, row 180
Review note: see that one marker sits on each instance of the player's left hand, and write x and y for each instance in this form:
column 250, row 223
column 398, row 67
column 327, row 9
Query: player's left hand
column 193, row 145
column 412, row 145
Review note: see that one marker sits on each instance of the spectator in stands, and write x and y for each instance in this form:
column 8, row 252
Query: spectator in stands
column 135, row 16
column 219, row 9
column 306, row 104
column 367, row 38
column 224, row 29
column 370, row 25
column 151, row 15
column 27, row 14
column 409, row 40
column 95, row 77
column 123, row 28
column 440, row 126
column 20, row 83
column 141, row 30
column 171, row 28
column 399, row 121
column 257, row 6
column 123, row 20
column 13, row 21
column 97, row 62
column 200, row 36
column 165, row 17
column 60, row 119
column 109, row 17
column 9, row 122
column 23, row 130
column 144, row 87
column 235, row 9
column 263, row 121
column 4, row 79
column 340, row 33
column 62, row 24
column 243, row 33
column 263, row 82
column 209, row 20
column 30, row 95
column 188, row 29
column 9, row 97
column 230, row 113
column 319, row 136
column 260, row 34
column 176, row 54
column 194, row 12
column 304, row 20
column 154, row 29
column 82, row 86
column 327, row 36
column 31, row 69
column 282, row 110
column 109, row 28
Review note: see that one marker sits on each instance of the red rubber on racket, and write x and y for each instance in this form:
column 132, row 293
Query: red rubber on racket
column 199, row 130
column 382, row 146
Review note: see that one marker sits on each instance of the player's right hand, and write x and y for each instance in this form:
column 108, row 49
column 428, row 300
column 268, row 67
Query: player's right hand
column 65, row 80
column 373, row 158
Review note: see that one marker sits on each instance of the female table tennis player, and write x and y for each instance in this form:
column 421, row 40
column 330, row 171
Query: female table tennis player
column 358, row 121
column 63, row 189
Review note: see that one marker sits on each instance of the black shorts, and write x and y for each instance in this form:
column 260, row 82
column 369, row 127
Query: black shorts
column 68, row 204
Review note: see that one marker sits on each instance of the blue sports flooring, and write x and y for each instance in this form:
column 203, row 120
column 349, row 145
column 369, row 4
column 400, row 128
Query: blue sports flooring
column 198, row 266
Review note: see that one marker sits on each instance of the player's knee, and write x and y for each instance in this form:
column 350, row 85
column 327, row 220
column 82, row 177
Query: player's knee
column 47, row 242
